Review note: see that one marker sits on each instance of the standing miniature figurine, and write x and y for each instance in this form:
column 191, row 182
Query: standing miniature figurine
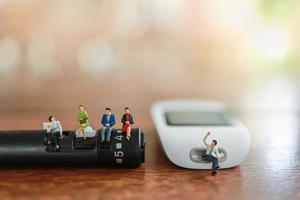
column 83, row 120
column 127, row 120
column 212, row 153
column 54, row 131
column 108, row 121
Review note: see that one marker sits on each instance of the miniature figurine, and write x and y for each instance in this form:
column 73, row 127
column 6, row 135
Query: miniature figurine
column 54, row 131
column 127, row 120
column 83, row 120
column 212, row 153
column 108, row 121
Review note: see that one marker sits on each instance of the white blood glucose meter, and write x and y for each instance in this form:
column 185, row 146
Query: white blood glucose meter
column 182, row 125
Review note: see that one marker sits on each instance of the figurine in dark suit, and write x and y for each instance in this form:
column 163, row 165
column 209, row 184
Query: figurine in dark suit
column 108, row 121
column 127, row 121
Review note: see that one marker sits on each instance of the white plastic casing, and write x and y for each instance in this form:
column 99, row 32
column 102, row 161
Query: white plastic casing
column 178, row 141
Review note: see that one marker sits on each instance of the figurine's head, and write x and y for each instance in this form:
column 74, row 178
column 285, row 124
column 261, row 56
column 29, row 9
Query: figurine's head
column 214, row 143
column 51, row 119
column 81, row 107
column 127, row 110
column 107, row 111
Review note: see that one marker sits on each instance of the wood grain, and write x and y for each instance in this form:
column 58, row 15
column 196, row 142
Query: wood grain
column 271, row 170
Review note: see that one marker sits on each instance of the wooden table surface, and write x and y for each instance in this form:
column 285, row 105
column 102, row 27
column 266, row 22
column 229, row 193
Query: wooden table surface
column 270, row 171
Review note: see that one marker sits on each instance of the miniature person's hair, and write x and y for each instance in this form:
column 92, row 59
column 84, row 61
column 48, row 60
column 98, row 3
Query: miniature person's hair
column 50, row 118
column 81, row 105
column 215, row 141
column 108, row 109
column 127, row 108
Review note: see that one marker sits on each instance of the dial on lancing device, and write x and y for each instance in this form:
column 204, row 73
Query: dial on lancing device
column 20, row 148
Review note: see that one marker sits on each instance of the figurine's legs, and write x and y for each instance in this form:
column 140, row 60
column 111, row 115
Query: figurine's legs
column 217, row 163
column 51, row 139
column 48, row 139
column 103, row 130
column 81, row 130
column 108, row 134
column 57, row 135
column 214, row 164
column 54, row 140
column 128, row 131
column 84, row 133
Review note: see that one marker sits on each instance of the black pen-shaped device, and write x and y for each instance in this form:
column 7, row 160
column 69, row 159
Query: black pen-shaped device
column 28, row 147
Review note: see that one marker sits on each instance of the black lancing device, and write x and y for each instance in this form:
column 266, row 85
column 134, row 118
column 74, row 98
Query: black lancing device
column 28, row 147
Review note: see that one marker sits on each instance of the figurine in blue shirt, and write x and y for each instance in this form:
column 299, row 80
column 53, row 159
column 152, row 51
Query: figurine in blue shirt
column 108, row 121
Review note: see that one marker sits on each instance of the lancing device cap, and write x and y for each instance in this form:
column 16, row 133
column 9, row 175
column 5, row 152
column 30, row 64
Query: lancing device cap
column 28, row 147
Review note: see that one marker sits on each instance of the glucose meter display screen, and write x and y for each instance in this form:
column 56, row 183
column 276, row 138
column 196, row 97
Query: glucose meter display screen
column 193, row 118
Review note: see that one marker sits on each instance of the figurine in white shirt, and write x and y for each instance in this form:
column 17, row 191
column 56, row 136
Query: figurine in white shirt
column 212, row 153
column 54, row 131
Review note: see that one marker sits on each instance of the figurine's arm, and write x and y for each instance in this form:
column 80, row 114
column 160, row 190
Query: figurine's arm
column 131, row 119
column 48, row 128
column 123, row 119
column 112, row 120
column 204, row 140
column 86, row 115
column 217, row 153
column 103, row 120
column 60, row 128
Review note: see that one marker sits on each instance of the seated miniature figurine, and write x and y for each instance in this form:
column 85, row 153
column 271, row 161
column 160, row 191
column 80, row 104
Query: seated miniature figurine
column 212, row 154
column 54, row 131
column 127, row 120
column 83, row 120
column 108, row 121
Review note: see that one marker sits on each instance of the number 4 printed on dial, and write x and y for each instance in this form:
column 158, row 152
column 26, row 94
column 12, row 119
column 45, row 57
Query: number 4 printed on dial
column 119, row 137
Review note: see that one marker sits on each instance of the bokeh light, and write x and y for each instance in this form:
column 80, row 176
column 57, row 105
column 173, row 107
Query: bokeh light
column 273, row 42
column 169, row 46
column 96, row 55
column 42, row 59
column 10, row 56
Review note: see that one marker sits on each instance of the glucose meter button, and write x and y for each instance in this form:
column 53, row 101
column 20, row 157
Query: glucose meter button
column 196, row 155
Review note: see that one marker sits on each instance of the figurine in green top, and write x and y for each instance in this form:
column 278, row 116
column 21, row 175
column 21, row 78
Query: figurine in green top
column 83, row 120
